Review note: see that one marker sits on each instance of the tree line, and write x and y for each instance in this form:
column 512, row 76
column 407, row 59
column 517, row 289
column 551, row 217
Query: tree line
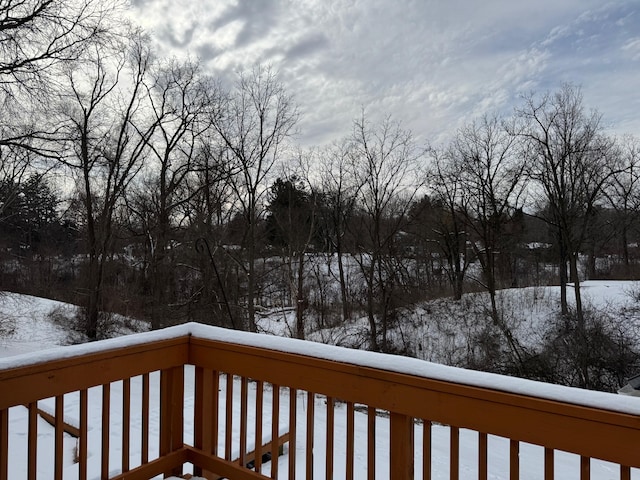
column 141, row 185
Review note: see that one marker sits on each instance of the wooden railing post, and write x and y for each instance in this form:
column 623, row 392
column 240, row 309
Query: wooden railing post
column 204, row 435
column 401, row 447
column 171, row 414
column 4, row 444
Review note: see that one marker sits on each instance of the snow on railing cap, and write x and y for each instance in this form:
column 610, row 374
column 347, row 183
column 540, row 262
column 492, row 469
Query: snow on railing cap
column 394, row 363
column 422, row 368
column 71, row 351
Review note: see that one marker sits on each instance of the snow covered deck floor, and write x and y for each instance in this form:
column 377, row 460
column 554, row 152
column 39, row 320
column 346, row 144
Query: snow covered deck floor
column 207, row 400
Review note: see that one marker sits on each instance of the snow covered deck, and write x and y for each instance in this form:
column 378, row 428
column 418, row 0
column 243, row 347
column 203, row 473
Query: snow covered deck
column 210, row 401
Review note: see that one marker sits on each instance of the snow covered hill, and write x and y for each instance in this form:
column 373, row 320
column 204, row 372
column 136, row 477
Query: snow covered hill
column 30, row 324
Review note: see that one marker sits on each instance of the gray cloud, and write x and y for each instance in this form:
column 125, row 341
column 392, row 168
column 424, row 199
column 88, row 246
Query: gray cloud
column 179, row 38
column 207, row 52
column 139, row 3
column 307, row 46
column 257, row 19
column 432, row 64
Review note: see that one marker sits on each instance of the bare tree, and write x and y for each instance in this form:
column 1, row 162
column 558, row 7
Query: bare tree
column 14, row 167
column 37, row 38
column 490, row 173
column 448, row 223
column 339, row 192
column 180, row 101
column 622, row 191
column 106, row 99
column 36, row 34
column 570, row 161
column 292, row 227
column 253, row 122
column 208, row 215
column 385, row 160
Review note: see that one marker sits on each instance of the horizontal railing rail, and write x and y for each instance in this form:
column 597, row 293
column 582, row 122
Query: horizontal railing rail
column 236, row 405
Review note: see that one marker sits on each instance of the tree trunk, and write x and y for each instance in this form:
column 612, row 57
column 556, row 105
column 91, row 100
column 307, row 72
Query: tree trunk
column 373, row 330
column 625, row 247
column 385, row 298
column 300, row 300
column 562, row 267
column 458, row 286
column 94, row 301
column 158, row 283
column 251, row 281
column 346, row 311
column 582, row 345
column 592, row 274
column 576, row 288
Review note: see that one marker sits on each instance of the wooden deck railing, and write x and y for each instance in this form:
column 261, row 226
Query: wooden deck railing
column 149, row 405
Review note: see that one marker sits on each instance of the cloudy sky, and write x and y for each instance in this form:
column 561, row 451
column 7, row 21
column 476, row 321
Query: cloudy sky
column 431, row 64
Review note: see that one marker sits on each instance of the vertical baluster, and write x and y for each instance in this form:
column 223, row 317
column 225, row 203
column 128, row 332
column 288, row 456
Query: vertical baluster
column 208, row 400
column 106, row 406
column 4, row 444
column 202, row 413
column 177, row 420
column 171, row 414
column 350, row 440
column 126, row 423
column 259, row 406
column 625, row 473
column 59, row 437
column 198, row 408
column 454, row 453
column 400, row 446
column 32, row 441
column 293, row 408
column 198, row 414
column 483, row 466
column 329, row 439
column 585, row 468
column 514, row 460
column 229, row 418
column 548, row 463
column 83, row 443
column 145, row 419
column 426, row 449
column 164, row 439
column 244, row 387
column 310, row 427
column 371, row 443
column 215, row 408
column 275, row 429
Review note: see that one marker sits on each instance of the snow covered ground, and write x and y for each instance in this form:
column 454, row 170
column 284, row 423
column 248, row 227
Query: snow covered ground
column 26, row 318
column 33, row 330
column 442, row 330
